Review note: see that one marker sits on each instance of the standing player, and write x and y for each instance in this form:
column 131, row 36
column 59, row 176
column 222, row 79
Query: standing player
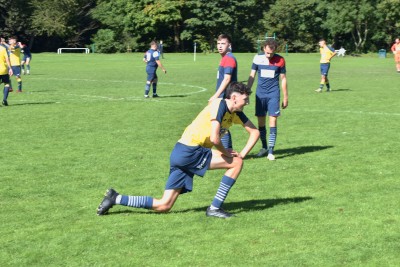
column 327, row 53
column 26, row 59
column 227, row 73
column 396, row 52
column 15, row 59
column 152, row 58
column 193, row 155
column 5, row 73
column 270, row 67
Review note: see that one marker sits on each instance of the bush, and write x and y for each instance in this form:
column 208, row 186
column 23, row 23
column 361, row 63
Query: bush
column 105, row 42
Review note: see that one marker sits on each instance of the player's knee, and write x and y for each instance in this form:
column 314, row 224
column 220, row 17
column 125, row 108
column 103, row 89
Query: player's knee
column 163, row 208
column 238, row 162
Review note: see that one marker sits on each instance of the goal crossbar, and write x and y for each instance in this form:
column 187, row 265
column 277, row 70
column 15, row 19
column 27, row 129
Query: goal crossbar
column 59, row 50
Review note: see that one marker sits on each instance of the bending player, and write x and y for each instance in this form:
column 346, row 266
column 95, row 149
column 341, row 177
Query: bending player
column 192, row 155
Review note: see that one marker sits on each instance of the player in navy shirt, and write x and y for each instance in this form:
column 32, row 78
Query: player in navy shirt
column 270, row 68
column 152, row 58
column 227, row 73
column 26, row 59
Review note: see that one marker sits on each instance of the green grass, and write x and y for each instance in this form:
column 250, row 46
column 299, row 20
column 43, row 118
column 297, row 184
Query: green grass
column 82, row 126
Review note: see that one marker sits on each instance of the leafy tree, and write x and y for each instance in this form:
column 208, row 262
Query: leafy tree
column 354, row 18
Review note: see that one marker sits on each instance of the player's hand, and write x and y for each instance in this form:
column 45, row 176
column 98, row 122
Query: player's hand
column 285, row 103
column 212, row 98
column 10, row 72
column 234, row 153
column 165, row 71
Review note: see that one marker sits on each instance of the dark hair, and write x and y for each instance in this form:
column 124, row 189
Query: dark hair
column 224, row 36
column 237, row 87
column 271, row 43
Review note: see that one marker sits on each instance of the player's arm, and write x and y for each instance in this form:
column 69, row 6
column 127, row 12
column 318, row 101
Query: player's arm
column 161, row 66
column 285, row 101
column 252, row 76
column 393, row 48
column 215, row 138
column 253, row 138
column 10, row 72
column 224, row 84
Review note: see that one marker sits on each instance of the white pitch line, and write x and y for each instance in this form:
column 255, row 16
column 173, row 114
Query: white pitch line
column 349, row 111
column 201, row 89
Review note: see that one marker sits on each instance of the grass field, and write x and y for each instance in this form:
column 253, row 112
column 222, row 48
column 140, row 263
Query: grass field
column 82, row 125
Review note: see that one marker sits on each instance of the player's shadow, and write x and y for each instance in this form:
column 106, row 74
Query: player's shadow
column 171, row 96
column 238, row 207
column 340, row 90
column 252, row 205
column 289, row 152
column 33, row 103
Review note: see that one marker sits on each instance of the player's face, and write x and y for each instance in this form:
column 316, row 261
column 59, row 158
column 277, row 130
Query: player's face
column 12, row 41
column 223, row 46
column 269, row 53
column 240, row 101
column 397, row 40
column 321, row 43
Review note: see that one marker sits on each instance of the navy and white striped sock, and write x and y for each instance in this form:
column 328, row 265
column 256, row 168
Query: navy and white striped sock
column 222, row 192
column 272, row 139
column 136, row 201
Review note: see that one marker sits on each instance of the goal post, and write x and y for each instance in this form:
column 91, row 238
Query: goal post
column 261, row 40
column 59, row 50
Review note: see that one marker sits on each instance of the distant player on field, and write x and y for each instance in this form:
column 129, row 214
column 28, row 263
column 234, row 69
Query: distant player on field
column 26, row 59
column 192, row 155
column 152, row 59
column 396, row 52
column 270, row 67
column 327, row 53
column 5, row 73
column 227, row 73
column 15, row 59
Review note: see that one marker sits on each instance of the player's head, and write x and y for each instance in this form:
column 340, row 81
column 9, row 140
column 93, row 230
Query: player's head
column 322, row 42
column 153, row 45
column 269, row 47
column 224, row 44
column 12, row 40
column 239, row 93
column 397, row 40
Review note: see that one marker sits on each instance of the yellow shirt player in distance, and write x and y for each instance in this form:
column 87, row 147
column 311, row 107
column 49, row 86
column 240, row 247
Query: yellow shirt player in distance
column 15, row 60
column 327, row 53
column 5, row 73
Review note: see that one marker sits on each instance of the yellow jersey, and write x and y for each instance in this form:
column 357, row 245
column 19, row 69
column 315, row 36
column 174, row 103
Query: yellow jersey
column 3, row 60
column 199, row 131
column 326, row 54
column 15, row 55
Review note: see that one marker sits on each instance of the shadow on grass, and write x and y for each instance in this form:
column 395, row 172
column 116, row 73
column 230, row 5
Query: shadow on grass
column 239, row 206
column 33, row 103
column 288, row 152
column 171, row 96
column 341, row 90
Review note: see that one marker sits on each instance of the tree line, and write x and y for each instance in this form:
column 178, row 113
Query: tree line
column 115, row 26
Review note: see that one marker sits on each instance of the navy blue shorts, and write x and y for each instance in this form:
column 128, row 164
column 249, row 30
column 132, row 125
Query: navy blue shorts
column 5, row 79
column 16, row 70
column 325, row 68
column 185, row 162
column 151, row 76
column 268, row 104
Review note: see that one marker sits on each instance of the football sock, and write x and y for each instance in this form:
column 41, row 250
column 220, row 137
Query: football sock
column 223, row 190
column 272, row 139
column 147, row 89
column 321, row 86
column 328, row 86
column 19, row 83
column 136, row 201
column 5, row 92
column 23, row 67
column 227, row 140
column 263, row 136
column 154, row 88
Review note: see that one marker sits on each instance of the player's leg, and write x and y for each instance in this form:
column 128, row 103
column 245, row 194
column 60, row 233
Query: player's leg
column 233, row 168
column 150, row 77
column 397, row 59
column 322, row 81
column 17, row 74
column 28, row 65
column 6, row 80
column 273, row 131
column 155, row 80
column 261, row 113
column 23, row 66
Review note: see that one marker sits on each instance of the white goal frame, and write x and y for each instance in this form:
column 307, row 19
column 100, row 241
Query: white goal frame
column 59, row 50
